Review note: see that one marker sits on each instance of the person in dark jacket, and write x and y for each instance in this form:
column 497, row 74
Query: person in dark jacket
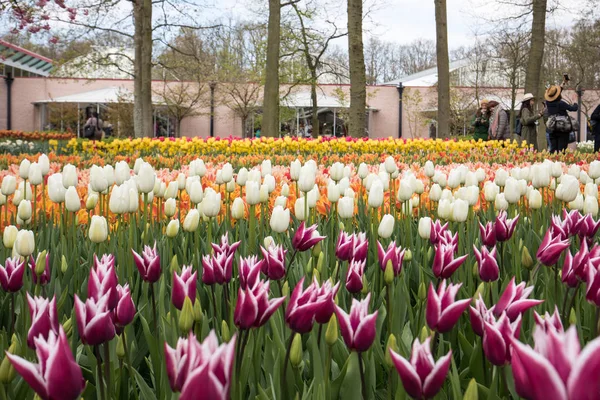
column 595, row 120
column 481, row 122
column 557, row 106
column 529, row 118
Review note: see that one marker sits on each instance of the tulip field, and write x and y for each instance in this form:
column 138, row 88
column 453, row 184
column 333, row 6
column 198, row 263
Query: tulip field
column 298, row 269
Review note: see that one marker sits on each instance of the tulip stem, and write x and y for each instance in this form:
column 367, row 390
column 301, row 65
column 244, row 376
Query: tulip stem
column 286, row 361
column 100, row 382
column 12, row 314
column 290, row 265
column 568, row 310
column 328, row 369
column 3, row 391
column 362, row 376
column 319, row 335
column 214, row 301
column 154, row 319
column 107, row 367
column 131, row 376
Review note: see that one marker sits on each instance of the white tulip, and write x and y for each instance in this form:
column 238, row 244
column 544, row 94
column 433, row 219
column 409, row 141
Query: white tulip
column 295, row 167
column 24, row 168
column 390, row 165
column 191, row 221
column 9, row 236
column 591, row 189
column 501, row 176
column 557, row 169
column 333, row 192
column 285, row 190
column 368, row 182
column 17, row 198
column 480, row 174
column 170, row 207
column 254, row 176
column 237, row 208
column 429, row 169
column 444, row 209
column 346, row 207
column 472, row 196
column 269, row 180
column 540, row 176
column 535, row 199
column 281, row 201
column 490, row 191
column 69, row 176
column 336, row 171
column 227, row 173
column 349, row 193
column 35, row 174
column 425, row 228
column 24, row 210
column 440, row 178
column 98, row 180
column 299, row 209
column 265, row 168
column 590, row 205
column 363, row 170
column 252, row 193
column 577, row 204
column 454, row 179
column 109, row 174
column 307, row 179
column 471, row 179
column 584, row 178
column 119, row 199
column 180, row 181
column 211, row 204
column 218, row 178
column 230, row 186
column 568, row 189
column 91, row 201
column 56, row 189
column 72, row 200
column 196, row 194
column 447, row 195
column 147, row 177
column 313, row 196
column 172, row 189
column 122, row 172
column 375, row 198
column 134, row 200
column 242, row 177
column 137, row 165
column 172, row 228
column 594, row 170
column 384, row 177
column 460, row 210
column 24, row 243
column 98, row 231
column 9, row 185
column 574, row 170
column 264, row 193
column 500, row 203
column 386, row 226
column 435, row 193
column 280, row 219
column 44, row 163
column 512, row 193
column 405, row 190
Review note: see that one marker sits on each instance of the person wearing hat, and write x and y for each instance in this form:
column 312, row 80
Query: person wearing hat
column 499, row 124
column 481, row 122
column 529, row 120
column 555, row 105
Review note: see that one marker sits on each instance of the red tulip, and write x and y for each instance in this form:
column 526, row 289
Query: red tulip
column 274, row 261
column 184, row 285
column 249, row 271
column 43, row 318
column 497, row 338
column 94, row 320
column 148, row 263
column 358, row 328
column 505, row 227
column 551, row 248
column 11, row 275
column 394, row 253
column 103, row 279
column 488, row 266
column 217, row 268
column 57, row 375
column 556, row 368
column 514, row 300
column 443, row 312
column 354, row 277
column 253, row 307
column 488, row 234
column 306, row 238
column 444, row 263
column 44, row 278
column 422, row 377
column 124, row 312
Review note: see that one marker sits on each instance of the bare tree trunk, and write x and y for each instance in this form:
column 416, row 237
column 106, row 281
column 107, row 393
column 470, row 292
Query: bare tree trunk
column 142, row 102
column 536, row 50
column 356, row 58
column 270, row 122
column 443, row 68
column 315, row 108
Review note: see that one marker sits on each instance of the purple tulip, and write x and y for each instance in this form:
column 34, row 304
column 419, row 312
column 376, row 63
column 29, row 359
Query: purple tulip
column 549, row 321
column 487, row 264
column 224, row 246
column 514, row 300
column 556, row 367
column 249, row 271
column 44, row 278
column 569, row 270
column 11, row 275
column 560, row 227
column 200, row 370
column 302, row 308
column 326, row 296
column 551, row 248
column 497, row 338
column 217, row 268
column 94, row 320
column 444, row 263
column 580, row 261
column 124, row 312
column 443, row 312
column 422, row 377
column 354, row 277
column 480, row 314
column 344, row 248
column 505, row 227
column 274, row 261
column 306, row 238
column 360, row 246
column 587, row 227
column 437, row 232
column 488, row 234
column 148, row 263
column 56, row 375
column 43, row 318
column 184, row 285
column 103, row 279
column 253, row 307
column 592, row 293
column 358, row 328
column 394, row 253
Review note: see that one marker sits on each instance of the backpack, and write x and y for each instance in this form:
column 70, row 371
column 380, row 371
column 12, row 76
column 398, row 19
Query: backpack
column 560, row 124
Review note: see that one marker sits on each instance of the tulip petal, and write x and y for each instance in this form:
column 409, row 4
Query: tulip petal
column 583, row 381
column 30, row 373
column 433, row 383
column 433, row 310
column 494, row 346
column 63, row 375
column 451, row 315
column 408, row 375
column 345, row 326
column 365, row 333
column 100, row 329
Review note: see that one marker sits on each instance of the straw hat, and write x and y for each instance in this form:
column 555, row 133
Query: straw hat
column 552, row 93
column 527, row 97
column 484, row 101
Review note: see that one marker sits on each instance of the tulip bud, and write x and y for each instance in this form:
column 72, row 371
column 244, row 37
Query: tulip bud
column 24, row 210
column 425, row 227
column 299, row 209
column 68, row 327
column 572, row 317
column 9, row 185
column 388, row 275
column 526, row 259
column 7, row 371
column 40, row 263
column 320, row 262
column 408, row 255
column 174, row 264
column 425, row 333
column 285, row 290
column 120, row 346
column 422, row 293
column 191, row 221
column 391, row 345
column 331, row 334
column 308, row 268
column 365, row 288
column 197, row 311
column 225, row 334
column 35, row 174
column 24, row 168
column 186, row 316
column 9, row 236
column 296, row 350
column 92, row 201
column 72, row 201
column 98, row 231
column 316, row 275
column 63, row 264
column 24, row 243
column 170, row 207
column 172, row 228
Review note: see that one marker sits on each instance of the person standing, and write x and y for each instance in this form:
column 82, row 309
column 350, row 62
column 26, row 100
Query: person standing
column 93, row 127
column 557, row 107
column 595, row 122
column 529, row 120
column 499, row 124
column 481, row 122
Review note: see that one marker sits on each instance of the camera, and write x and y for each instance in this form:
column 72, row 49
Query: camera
column 566, row 77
